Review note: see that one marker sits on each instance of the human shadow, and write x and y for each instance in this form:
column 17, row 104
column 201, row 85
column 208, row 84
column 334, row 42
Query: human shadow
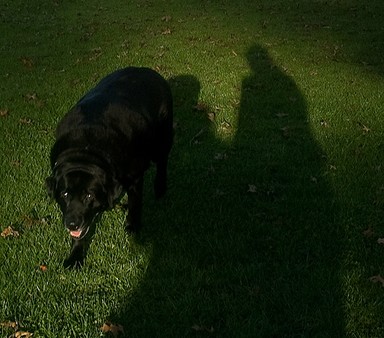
column 295, row 235
column 249, row 246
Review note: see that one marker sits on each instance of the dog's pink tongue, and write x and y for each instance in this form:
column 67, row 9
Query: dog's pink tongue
column 76, row 233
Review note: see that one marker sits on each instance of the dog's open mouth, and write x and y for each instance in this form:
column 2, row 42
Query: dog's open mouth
column 78, row 234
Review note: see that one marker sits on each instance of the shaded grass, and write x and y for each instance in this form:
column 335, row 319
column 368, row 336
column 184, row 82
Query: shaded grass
column 260, row 234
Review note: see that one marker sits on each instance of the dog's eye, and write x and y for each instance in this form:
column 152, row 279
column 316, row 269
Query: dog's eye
column 88, row 197
column 64, row 194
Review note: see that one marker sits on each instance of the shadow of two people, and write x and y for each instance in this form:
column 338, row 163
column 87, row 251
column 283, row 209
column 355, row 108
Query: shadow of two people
column 249, row 246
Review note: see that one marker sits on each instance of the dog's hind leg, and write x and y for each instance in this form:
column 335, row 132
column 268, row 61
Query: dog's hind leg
column 135, row 201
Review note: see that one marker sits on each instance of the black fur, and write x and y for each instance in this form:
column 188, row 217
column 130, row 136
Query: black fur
column 103, row 146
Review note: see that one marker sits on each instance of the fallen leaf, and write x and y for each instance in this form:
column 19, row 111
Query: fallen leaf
column 22, row 334
column 203, row 328
column 16, row 163
column 43, row 267
column 166, row 31
column 31, row 96
column 364, row 127
column 324, row 123
column 166, row 18
column 95, row 53
column 369, row 232
column 252, row 188
column 200, row 106
column 380, row 241
column 108, row 327
column 287, row 131
column 25, row 121
column 377, row 279
column 31, row 220
column 27, row 62
column 219, row 192
column 4, row 112
column 9, row 232
column 211, row 116
column 220, row 156
column 314, row 179
column 9, row 325
column 280, row 115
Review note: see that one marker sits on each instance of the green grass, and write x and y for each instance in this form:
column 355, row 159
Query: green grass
column 276, row 170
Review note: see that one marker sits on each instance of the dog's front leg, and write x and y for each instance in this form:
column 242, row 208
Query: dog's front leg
column 135, row 201
column 77, row 255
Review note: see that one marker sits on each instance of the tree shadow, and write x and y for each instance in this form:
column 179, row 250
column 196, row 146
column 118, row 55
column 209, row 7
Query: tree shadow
column 249, row 246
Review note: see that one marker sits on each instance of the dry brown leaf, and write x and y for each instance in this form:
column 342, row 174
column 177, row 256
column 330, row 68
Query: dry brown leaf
column 9, row 325
column 114, row 329
column 31, row 220
column 203, row 328
column 200, row 106
column 252, row 188
column 369, row 232
column 380, row 241
column 219, row 192
column 43, row 267
column 280, row 115
column 27, row 62
column 22, row 334
column 9, row 232
column 31, row 96
column 4, row 112
column 25, row 121
column 16, row 163
column 166, row 32
column 286, row 131
column 211, row 116
column 95, row 53
column 220, row 156
column 364, row 127
column 377, row 279
column 166, row 18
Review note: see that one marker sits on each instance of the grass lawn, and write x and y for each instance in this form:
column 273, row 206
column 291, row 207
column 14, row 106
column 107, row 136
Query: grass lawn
column 272, row 223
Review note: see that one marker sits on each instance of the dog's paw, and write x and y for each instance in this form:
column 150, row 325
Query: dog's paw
column 71, row 263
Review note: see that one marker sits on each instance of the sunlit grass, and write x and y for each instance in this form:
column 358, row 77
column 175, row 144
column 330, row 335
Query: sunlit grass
column 274, row 178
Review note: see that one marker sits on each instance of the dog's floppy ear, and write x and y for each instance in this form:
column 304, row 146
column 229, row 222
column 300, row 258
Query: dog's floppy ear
column 50, row 184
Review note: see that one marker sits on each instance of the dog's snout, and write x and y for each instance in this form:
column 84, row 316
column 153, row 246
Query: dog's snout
column 73, row 222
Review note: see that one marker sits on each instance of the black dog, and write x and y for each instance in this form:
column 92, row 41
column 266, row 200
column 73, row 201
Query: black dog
column 103, row 146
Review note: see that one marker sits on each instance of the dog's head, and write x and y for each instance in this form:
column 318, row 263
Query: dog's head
column 81, row 193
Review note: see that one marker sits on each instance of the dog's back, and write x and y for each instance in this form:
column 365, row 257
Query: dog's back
column 132, row 106
column 133, row 96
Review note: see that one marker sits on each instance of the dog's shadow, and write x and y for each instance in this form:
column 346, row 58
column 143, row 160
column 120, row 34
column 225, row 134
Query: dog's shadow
column 246, row 246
